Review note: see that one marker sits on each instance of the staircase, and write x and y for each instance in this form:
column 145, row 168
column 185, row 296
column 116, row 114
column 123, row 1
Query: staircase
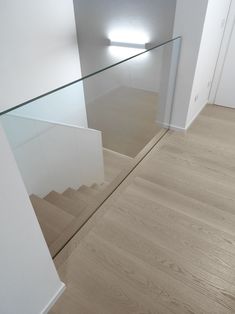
column 57, row 212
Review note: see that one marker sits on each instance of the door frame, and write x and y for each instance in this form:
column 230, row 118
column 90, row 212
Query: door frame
column 228, row 32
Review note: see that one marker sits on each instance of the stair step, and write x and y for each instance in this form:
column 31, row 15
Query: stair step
column 52, row 219
column 88, row 197
column 78, row 195
column 49, row 233
column 70, row 206
column 89, row 191
column 99, row 187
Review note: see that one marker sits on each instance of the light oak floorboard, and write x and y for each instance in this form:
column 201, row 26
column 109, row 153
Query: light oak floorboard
column 127, row 118
column 164, row 242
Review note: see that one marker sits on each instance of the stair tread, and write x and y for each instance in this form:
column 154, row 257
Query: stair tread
column 50, row 215
column 49, row 233
column 95, row 187
column 99, row 187
column 88, row 190
column 67, row 204
column 87, row 197
column 78, row 195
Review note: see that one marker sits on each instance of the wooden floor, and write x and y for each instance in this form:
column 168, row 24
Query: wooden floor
column 165, row 241
column 133, row 115
column 114, row 164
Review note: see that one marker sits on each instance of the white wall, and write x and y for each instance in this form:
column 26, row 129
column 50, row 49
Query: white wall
column 28, row 277
column 38, row 49
column 38, row 53
column 189, row 22
column 64, row 106
column 170, row 62
column 143, row 72
column 213, row 31
column 222, row 92
column 148, row 21
column 201, row 24
column 54, row 156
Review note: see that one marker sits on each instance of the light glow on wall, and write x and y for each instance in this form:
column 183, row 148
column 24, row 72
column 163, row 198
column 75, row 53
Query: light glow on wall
column 124, row 52
column 126, row 43
column 128, row 36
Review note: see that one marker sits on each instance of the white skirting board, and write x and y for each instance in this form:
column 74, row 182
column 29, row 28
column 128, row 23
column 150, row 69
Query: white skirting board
column 184, row 129
column 170, row 126
column 54, row 299
column 177, row 128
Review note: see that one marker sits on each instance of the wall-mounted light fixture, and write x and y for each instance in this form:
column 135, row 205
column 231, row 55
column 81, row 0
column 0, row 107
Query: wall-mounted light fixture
column 124, row 43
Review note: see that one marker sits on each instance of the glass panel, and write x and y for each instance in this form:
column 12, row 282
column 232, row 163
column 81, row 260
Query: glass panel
column 75, row 145
column 128, row 102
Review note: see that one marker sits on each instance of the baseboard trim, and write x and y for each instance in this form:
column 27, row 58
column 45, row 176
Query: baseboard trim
column 54, row 299
column 184, row 129
column 170, row 126
column 177, row 128
column 195, row 116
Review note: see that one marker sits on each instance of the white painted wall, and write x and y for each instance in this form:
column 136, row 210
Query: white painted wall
column 38, row 53
column 212, row 36
column 38, row 49
column 143, row 72
column 170, row 62
column 28, row 277
column 64, row 106
column 201, row 24
column 189, row 22
column 222, row 92
column 53, row 156
column 148, row 21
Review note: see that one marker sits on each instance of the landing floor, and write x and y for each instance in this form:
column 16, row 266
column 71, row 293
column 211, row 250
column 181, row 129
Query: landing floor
column 127, row 118
column 164, row 242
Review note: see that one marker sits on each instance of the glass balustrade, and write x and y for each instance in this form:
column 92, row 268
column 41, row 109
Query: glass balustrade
column 76, row 144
